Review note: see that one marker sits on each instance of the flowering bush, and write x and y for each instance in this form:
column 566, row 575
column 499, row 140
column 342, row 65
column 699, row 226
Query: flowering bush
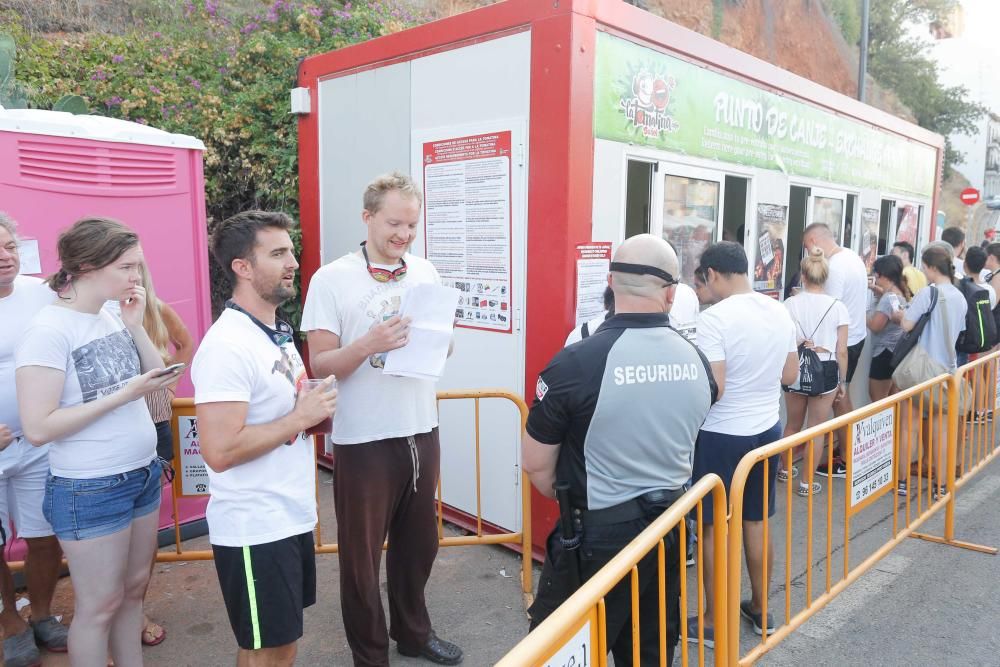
column 222, row 79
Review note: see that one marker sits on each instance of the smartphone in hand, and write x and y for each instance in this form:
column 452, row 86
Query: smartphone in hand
column 173, row 369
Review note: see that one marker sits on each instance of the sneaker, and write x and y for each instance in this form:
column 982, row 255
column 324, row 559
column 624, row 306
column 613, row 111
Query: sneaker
column 21, row 651
column 690, row 556
column 839, row 469
column 805, row 491
column 901, row 489
column 783, row 475
column 755, row 618
column 708, row 633
column 51, row 634
column 938, row 491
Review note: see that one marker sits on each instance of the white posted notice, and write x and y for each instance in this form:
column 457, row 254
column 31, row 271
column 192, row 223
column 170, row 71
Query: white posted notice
column 467, row 213
column 431, row 309
column 592, row 263
column 577, row 652
column 194, row 475
column 871, row 455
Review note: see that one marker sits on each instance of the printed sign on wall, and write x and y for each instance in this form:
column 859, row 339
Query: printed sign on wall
column 467, row 218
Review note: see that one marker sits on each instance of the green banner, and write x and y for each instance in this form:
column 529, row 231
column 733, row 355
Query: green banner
column 645, row 97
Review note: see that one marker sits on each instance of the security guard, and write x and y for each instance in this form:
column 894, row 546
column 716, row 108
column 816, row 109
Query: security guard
column 615, row 419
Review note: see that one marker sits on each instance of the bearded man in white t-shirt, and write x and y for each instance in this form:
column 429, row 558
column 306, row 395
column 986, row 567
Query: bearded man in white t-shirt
column 251, row 422
column 387, row 452
column 23, row 471
column 847, row 282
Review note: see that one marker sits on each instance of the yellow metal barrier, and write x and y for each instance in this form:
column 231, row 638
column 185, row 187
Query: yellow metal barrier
column 184, row 407
column 575, row 633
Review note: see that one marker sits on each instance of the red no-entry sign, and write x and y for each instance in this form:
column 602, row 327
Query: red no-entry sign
column 969, row 196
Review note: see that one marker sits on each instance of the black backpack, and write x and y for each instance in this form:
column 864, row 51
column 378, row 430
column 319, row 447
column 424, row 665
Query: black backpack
column 980, row 326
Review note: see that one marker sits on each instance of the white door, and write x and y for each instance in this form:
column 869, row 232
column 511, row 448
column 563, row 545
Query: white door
column 830, row 208
column 464, row 205
column 688, row 212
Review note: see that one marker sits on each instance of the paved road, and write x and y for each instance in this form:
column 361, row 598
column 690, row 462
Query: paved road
column 924, row 604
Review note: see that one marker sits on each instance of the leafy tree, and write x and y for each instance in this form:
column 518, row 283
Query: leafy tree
column 899, row 61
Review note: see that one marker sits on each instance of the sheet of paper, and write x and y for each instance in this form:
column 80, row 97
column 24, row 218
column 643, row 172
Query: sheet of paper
column 31, row 262
column 431, row 309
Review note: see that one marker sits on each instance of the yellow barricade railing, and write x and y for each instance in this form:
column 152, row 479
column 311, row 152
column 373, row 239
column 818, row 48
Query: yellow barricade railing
column 977, row 434
column 184, row 407
column 575, row 633
column 925, row 437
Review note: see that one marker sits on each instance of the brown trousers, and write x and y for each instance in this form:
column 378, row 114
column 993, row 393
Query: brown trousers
column 385, row 489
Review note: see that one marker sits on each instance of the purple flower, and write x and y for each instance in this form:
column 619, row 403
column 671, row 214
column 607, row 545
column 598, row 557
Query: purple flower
column 195, row 83
column 141, row 121
column 117, row 59
column 155, row 90
column 113, row 101
column 272, row 15
column 315, row 11
column 157, row 35
column 99, row 75
column 211, row 7
column 223, row 71
column 249, row 28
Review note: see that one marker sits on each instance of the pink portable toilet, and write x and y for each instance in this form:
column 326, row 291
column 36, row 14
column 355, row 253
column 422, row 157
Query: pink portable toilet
column 59, row 167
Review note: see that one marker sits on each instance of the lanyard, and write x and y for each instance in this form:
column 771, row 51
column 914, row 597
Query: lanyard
column 282, row 334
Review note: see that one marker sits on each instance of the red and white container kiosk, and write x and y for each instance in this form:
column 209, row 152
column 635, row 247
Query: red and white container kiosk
column 537, row 127
column 60, row 167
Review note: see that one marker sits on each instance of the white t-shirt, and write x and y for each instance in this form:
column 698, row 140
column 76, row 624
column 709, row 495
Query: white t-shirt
column 346, row 301
column 684, row 312
column 576, row 335
column 99, row 357
column 30, row 295
column 848, row 282
column 753, row 334
column 273, row 496
column 941, row 347
column 809, row 314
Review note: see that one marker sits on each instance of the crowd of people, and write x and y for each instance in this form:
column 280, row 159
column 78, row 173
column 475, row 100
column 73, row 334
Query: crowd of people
column 669, row 385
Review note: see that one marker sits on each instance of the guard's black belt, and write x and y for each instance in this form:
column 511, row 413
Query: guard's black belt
column 629, row 510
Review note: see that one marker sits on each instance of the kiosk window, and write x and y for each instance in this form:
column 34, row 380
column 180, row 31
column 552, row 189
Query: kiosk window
column 638, row 197
column 830, row 211
column 690, row 219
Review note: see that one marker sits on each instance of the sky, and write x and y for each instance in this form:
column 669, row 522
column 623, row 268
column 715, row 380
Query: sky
column 972, row 59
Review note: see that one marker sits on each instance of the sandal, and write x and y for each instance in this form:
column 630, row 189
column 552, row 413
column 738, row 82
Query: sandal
column 149, row 635
column 783, row 475
column 805, row 491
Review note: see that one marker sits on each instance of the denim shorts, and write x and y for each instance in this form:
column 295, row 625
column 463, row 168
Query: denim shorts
column 82, row 509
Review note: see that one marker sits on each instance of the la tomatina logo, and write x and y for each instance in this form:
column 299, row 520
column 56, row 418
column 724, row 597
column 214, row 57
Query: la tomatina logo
column 645, row 106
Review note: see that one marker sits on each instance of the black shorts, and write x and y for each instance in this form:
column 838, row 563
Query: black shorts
column 853, row 355
column 721, row 453
column 881, row 366
column 266, row 587
column 164, row 441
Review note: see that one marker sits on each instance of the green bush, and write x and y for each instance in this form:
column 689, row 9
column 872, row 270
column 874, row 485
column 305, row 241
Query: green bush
column 224, row 80
column 847, row 14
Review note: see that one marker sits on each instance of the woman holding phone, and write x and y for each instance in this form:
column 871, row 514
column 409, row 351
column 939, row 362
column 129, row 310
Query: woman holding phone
column 82, row 374
column 886, row 332
column 175, row 345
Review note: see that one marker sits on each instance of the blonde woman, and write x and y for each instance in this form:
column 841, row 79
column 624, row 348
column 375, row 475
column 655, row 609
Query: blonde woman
column 166, row 330
column 821, row 324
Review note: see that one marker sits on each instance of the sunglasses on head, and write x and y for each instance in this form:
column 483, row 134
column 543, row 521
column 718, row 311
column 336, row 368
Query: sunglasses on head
column 383, row 275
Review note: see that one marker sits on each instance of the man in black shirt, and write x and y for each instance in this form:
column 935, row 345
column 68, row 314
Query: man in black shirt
column 615, row 417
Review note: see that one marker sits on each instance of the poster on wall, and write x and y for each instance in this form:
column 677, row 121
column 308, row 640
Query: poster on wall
column 768, row 272
column 31, row 263
column 467, row 223
column 194, row 475
column 906, row 224
column 593, row 260
column 869, row 237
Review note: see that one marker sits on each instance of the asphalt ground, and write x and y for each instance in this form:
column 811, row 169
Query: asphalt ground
column 924, row 603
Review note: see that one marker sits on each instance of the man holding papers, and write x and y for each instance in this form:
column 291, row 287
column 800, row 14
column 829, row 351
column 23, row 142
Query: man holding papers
column 387, row 452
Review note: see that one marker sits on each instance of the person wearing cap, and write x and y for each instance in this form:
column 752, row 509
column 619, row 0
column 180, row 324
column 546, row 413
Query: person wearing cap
column 615, row 418
column 750, row 341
